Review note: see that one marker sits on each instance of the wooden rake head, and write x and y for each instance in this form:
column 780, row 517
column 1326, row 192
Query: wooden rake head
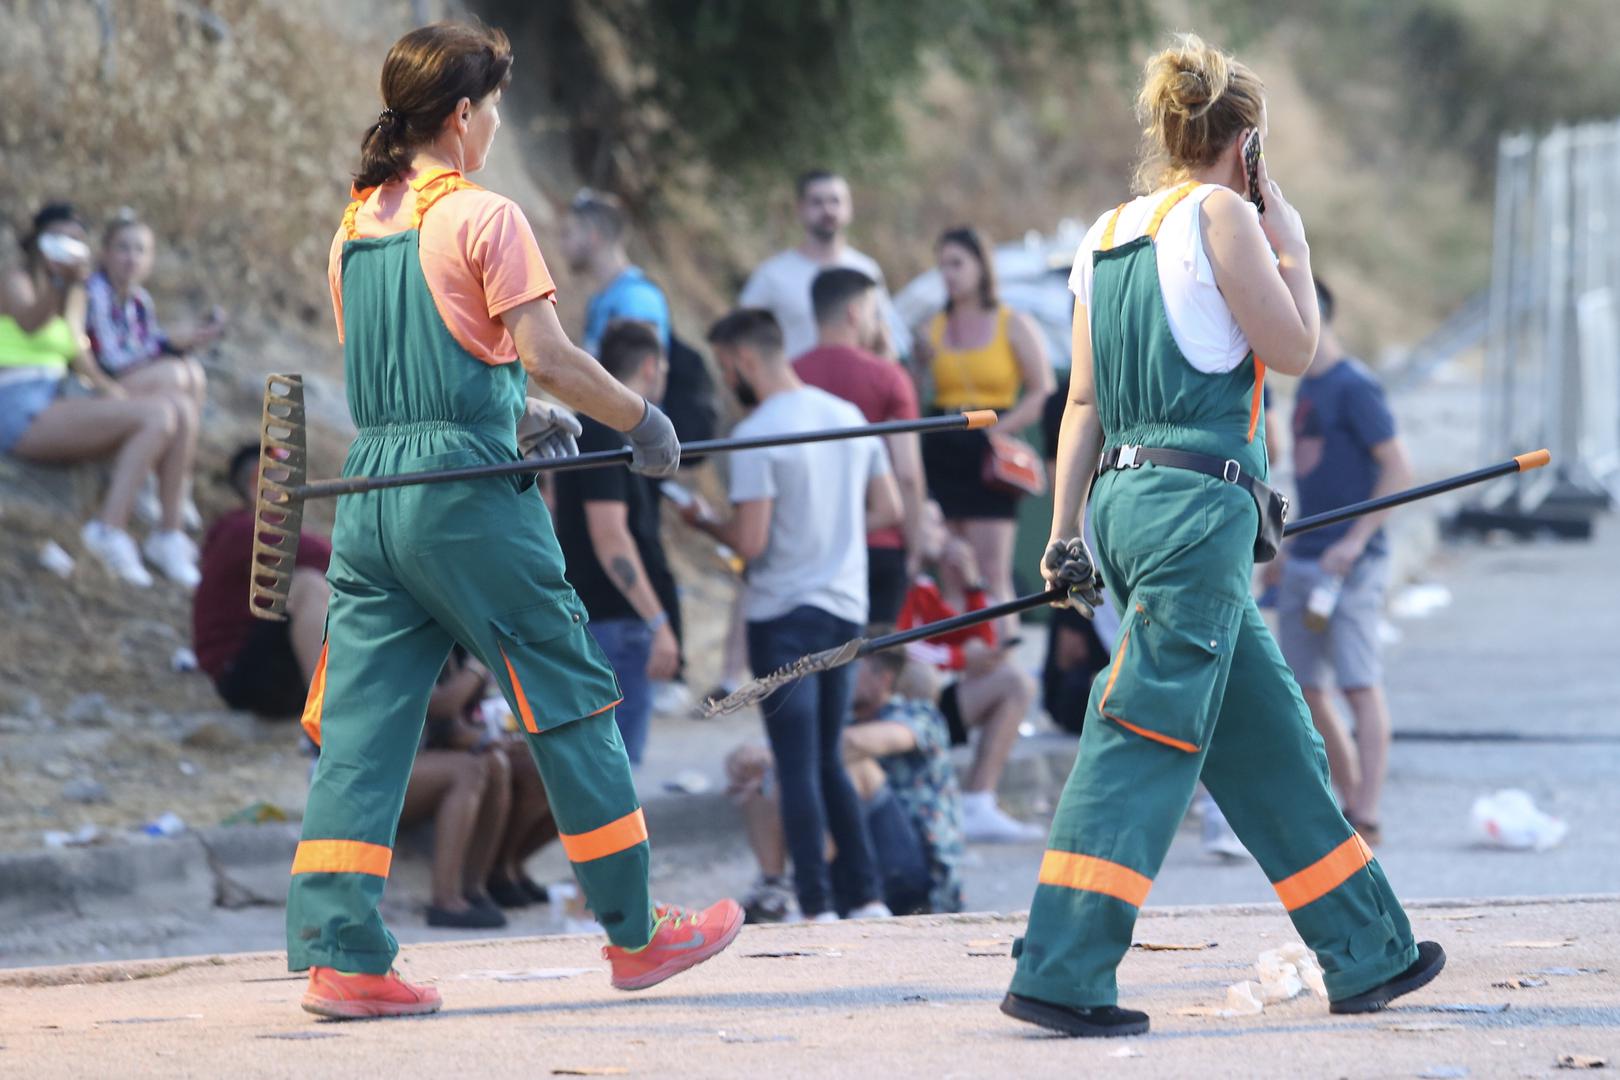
column 277, row 512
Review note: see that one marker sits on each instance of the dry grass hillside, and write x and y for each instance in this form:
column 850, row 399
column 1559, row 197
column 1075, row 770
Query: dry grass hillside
column 231, row 126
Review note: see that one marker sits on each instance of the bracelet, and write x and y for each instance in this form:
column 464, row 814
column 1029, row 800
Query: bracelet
column 658, row 621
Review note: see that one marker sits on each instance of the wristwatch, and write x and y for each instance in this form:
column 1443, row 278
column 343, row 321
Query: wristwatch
column 658, row 620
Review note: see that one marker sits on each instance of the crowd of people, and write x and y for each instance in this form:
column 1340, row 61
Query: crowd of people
column 853, row 788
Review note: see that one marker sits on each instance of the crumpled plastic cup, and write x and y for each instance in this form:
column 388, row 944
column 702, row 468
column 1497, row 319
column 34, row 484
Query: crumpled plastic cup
column 1510, row 819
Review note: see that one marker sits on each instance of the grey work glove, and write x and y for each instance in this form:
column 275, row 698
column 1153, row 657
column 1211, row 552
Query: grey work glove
column 1068, row 563
column 547, row 431
column 657, row 450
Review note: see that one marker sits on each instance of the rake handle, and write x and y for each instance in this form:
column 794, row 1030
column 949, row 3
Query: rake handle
column 326, row 489
column 1522, row 463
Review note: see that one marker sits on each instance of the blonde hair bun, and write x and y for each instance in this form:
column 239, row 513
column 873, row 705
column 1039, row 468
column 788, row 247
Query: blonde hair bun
column 1194, row 100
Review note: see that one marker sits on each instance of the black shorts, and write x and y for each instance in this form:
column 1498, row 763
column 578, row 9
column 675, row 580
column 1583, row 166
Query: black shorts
column 886, row 585
column 264, row 677
column 951, row 709
column 953, row 462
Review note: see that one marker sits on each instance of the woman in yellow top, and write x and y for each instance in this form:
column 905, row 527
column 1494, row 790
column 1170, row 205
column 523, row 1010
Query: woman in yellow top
column 43, row 418
column 981, row 355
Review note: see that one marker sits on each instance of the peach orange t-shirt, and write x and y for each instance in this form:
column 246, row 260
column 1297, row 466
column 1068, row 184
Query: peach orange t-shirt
column 479, row 256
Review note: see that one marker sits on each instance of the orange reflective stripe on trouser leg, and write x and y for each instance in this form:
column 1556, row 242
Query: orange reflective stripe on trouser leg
column 1088, row 873
column 1102, row 706
column 1324, row 875
column 1259, row 398
column 610, row 839
column 524, row 712
column 342, row 857
column 312, row 704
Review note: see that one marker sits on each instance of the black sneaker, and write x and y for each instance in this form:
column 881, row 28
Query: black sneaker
column 507, row 894
column 1095, row 1022
column 1431, row 958
column 537, row 892
column 474, row 918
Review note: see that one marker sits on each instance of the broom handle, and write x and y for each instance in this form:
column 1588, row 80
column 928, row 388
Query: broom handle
column 326, row 489
column 1522, row 463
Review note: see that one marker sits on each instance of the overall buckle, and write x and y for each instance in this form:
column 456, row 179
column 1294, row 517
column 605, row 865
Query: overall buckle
column 1231, row 471
column 1126, row 458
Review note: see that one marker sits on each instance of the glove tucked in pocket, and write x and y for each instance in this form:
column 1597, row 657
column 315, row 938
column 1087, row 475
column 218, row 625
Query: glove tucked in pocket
column 1169, row 673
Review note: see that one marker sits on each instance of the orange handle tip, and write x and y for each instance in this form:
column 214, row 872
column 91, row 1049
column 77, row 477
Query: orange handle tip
column 1535, row 459
column 981, row 418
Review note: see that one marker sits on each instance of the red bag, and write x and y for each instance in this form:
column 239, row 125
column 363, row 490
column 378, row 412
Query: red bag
column 1012, row 466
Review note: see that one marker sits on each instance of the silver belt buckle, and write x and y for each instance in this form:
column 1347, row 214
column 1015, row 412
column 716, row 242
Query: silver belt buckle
column 1231, row 471
column 1127, row 458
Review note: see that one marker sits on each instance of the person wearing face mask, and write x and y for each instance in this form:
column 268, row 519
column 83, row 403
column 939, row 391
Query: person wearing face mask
column 443, row 302
column 1178, row 294
column 133, row 349
column 47, row 416
column 781, row 284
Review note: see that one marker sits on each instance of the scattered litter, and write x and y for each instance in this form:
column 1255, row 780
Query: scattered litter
column 1498, row 1007
column 744, row 1037
column 1419, row 601
column 689, row 782
column 1564, row 971
column 83, row 836
column 167, row 824
column 1200, row 1010
column 788, row 954
column 1287, row 971
column 1459, row 916
column 153, row 1019
column 182, row 661
column 990, row 943
column 1582, row 1061
column 300, row 1035
column 1538, row 944
column 1422, row 1026
column 1171, row 946
column 1243, row 999
column 1521, row 982
column 84, row 789
column 1443, row 1072
column 53, row 558
column 1004, row 951
column 590, row 1070
column 529, row 975
column 256, row 814
column 1510, row 819
column 187, row 768
column 1126, row 1051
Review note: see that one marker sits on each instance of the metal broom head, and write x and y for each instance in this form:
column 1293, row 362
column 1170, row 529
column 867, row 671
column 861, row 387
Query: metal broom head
column 277, row 514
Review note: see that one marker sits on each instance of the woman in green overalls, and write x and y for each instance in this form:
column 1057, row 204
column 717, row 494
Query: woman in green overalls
column 440, row 291
column 1177, row 294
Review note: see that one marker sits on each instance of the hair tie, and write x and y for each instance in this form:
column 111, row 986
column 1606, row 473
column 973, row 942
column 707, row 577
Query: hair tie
column 386, row 118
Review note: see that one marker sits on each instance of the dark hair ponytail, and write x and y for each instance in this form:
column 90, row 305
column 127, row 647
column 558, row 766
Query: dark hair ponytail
column 426, row 73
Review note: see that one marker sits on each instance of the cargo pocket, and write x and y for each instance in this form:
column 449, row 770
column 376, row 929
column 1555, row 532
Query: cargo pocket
column 1169, row 674
column 554, row 668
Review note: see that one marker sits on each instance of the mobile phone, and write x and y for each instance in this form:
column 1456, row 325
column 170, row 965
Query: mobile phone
column 1251, row 162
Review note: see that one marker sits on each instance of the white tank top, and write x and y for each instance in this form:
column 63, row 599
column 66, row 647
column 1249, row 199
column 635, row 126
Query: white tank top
column 1200, row 321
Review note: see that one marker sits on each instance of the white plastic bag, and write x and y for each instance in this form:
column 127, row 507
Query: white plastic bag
column 1510, row 819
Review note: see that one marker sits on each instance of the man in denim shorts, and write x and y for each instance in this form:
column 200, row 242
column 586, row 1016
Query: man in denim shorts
column 1345, row 451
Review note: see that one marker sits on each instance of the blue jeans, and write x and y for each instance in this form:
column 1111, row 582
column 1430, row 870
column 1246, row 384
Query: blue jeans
column 805, row 724
column 628, row 644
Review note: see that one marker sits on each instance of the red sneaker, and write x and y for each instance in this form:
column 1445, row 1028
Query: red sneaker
column 680, row 940
column 357, row 997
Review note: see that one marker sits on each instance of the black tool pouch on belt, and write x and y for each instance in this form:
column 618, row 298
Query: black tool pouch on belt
column 1273, row 506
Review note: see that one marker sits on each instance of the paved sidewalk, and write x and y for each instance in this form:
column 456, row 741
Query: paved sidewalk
column 911, row 997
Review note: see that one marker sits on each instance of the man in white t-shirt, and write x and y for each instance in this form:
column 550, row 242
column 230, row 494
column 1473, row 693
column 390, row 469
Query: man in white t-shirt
column 781, row 284
column 800, row 515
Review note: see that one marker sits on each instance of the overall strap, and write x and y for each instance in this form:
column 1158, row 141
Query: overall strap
column 357, row 199
column 1107, row 240
column 1170, row 202
column 431, row 186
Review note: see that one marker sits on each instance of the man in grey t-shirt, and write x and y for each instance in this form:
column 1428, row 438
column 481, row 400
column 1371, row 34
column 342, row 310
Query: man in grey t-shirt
column 781, row 284
column 799, row 517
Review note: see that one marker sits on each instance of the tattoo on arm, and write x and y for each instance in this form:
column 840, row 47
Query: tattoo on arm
column 624, row 572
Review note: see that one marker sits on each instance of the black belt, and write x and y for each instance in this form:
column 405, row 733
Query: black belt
column 1272, row 506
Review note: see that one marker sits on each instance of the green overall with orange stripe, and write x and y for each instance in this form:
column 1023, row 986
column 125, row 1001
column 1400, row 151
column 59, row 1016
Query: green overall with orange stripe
column 416, row 569
column 1198, row 688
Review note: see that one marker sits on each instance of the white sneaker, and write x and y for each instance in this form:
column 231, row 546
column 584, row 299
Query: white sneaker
column 116, row 550
column 190, row 517
column 983, row 822
column 670, row 698
column 1219, row 839
column 877, row 909
column 172, row 553
column 148, row 508
column 823, row 917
